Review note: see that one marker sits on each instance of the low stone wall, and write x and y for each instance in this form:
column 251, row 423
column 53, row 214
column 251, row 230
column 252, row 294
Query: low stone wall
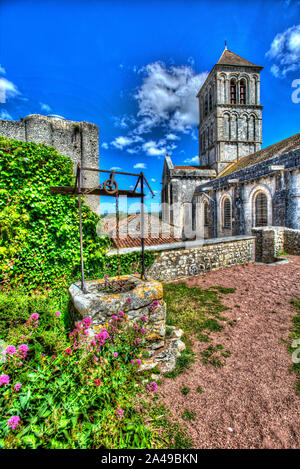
column 292, row 241
column 211, row 254
column 272, row 240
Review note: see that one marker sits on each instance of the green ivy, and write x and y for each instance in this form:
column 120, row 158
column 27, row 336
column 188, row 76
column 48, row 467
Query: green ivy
column 39, row 235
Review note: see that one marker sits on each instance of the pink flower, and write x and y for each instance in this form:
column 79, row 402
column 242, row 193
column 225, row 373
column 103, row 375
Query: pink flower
column 4, row 379
column 53, row 357
column 87, row 322
column 68, row 351
column 115, row 354
column 152, row 386
column 121, row 314
column 105, row 276
column 138, row 340
column 143, row 318
column 23, row 349
column 58, row 313
column 136, row 327
column 18, row 386
column 114, row 317
column 10, row 350
column 13, row 422
column 97, row 382
column 143, row 330
column 34, row 317
column 138, row 361
column 128, row 300
column 120, row 413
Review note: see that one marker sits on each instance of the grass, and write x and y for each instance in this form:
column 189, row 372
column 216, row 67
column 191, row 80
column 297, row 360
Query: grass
column 198, row 312
column 185, row 390
column 188, row 415
column 295, row 336
column 199, row 390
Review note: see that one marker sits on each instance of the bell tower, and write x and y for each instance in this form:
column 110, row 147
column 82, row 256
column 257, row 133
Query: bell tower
column 230, row 114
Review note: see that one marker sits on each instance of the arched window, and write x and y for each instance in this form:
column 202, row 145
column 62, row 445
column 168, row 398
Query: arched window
column 206, row 107
column 232, row 91
column 206, row 221
column 243, row 91
column 210, row 101
column 261, row 210
column 227, row 213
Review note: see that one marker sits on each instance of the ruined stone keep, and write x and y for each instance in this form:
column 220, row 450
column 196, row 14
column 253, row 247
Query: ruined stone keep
column 78, row 140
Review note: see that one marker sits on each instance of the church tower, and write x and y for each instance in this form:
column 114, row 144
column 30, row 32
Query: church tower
column 230, row 114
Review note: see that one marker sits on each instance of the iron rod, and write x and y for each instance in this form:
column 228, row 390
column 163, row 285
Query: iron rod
column 83, row 288
column 144, row 277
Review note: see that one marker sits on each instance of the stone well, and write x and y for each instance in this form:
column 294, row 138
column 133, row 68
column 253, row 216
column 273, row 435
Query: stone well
column 146, row 299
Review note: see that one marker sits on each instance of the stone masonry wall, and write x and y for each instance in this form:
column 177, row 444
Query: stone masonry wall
column 211, row 255
column 272, row 240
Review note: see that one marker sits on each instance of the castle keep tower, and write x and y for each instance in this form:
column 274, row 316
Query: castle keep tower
column 230, row 114
column 78, row 140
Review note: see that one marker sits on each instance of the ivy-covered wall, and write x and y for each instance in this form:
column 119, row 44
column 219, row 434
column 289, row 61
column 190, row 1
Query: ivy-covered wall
column 39, row 235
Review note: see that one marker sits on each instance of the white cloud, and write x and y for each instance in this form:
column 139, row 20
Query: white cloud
column 2, row 70
column 285, row 52
column 171, row 136
column 167, row 97
column 152, row 148
column 45, row 107
column 104, row 145
column 123, row 141
column 194, row 160
column 140, row 166
column 115, row 168
column 5, row 115
column 153, row 180
column 7, row 90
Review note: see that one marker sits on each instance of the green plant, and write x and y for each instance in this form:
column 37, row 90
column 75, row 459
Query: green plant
column 76, row 392
column 185, row 390
column 188, row 415
column 199, row 390
column 39, row 235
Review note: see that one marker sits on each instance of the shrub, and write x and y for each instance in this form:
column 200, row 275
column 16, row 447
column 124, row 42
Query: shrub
column 39, row 235
column 81, row 396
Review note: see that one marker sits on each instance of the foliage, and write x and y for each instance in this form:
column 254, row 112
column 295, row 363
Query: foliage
column 197, row 312
column 188, row 415
column 295, row 336
column 76, row 391
column 39, row 235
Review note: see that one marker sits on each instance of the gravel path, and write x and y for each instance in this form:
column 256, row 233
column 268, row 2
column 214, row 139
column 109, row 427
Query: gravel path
column 251, row 402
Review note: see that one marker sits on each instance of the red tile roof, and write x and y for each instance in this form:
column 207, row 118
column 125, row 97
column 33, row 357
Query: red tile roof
column 130, row 242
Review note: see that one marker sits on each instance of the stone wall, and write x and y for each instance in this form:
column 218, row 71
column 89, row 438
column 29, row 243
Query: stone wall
column 211, row 254
column 272, row 240
column 78, row 140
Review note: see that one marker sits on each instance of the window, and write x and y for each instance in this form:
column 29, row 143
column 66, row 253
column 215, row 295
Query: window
column 227, row 213
column 206, row 222
column 232, row 92
column 206, row 107
column 210, row 101
column 261, row 210
column 242, row 92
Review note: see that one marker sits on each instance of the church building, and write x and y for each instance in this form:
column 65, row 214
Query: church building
column 236, row 186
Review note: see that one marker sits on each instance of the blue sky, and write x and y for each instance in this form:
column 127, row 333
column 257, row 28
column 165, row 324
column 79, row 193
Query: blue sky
column 134, row 68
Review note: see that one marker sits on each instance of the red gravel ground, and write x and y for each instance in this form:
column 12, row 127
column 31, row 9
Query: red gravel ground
column 254, row 393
